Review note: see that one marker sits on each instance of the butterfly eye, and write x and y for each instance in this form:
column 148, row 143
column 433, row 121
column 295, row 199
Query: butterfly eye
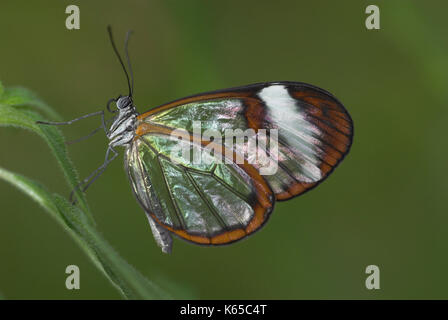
column 123, row 102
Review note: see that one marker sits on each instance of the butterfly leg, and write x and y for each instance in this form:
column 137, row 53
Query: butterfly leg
column 73, row 120
column 83, row 185
column 104, row 126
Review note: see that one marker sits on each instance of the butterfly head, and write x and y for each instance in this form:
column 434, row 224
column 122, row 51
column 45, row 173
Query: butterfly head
column 122, row 130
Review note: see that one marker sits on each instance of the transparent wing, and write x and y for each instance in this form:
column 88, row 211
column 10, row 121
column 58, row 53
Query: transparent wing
column 301, row 134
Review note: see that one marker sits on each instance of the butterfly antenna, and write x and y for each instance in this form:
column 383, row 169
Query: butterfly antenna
column 128, row 35
column 109, row 29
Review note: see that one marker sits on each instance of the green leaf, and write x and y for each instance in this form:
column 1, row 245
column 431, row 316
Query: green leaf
column 26, row 119
column 128, row 280
column 23, row 98
column 17, row 109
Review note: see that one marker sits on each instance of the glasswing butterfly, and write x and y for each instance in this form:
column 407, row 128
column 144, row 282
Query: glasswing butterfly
column 218, row 202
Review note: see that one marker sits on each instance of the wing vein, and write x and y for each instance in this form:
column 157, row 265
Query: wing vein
column 170, row 193
column 173, row 200
column 206, row 201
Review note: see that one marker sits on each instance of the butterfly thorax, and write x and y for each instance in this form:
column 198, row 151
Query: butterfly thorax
column 122, row 130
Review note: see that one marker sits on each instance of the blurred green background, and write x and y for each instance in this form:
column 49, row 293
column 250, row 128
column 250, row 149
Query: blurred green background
column 385, row 205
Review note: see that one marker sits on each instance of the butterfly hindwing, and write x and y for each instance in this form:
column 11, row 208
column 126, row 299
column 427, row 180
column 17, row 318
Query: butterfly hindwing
column 211, row 203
